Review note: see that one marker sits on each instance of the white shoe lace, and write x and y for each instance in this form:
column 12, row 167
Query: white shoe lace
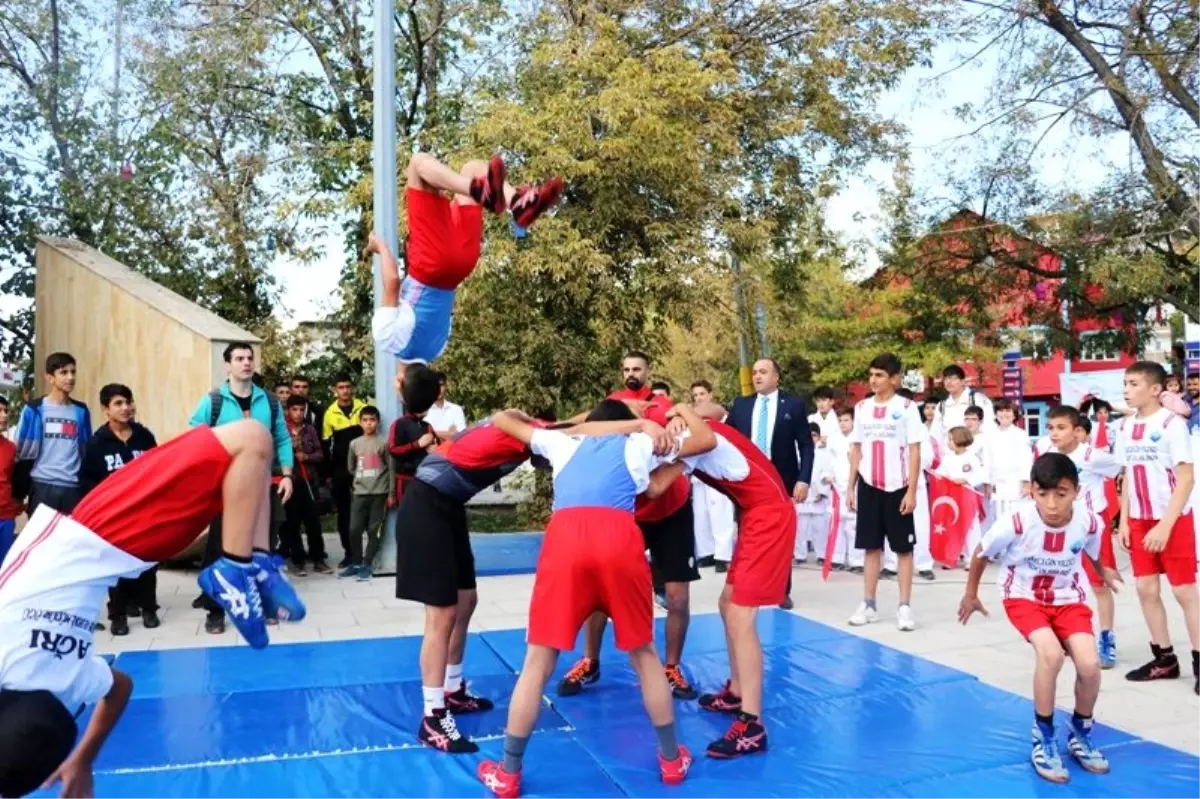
column 449, row 726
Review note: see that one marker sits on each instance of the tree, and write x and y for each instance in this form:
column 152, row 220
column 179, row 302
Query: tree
column 682, row 132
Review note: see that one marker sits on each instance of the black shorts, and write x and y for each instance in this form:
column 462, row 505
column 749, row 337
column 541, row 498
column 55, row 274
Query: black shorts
column 672, row 545
column 433, row 548
column 36, row 734
column 879, row 517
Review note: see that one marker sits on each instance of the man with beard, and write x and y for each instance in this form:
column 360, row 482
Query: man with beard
column 668, row 527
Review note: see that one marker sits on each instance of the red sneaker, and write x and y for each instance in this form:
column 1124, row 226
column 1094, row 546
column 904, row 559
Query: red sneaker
column 488, row 191
column 531, row 202
column 674, row 771
column 499, row 781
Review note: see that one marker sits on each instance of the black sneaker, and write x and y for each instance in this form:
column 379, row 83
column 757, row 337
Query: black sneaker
column 199, row 602
column 721, row 702
column 787, row 603
column 440, row 732
column 214, row 623
column 585, row 672
column 705, row 562
column 150, row 619
column 1196, row 670
column 133, row 610
column 927, row 574
column 722, row 566
column 463, row 702
column 886, row 573
column 680, row 687
column 120, row 625
column 856, row 570
column 746, row 736
column 1164, row 666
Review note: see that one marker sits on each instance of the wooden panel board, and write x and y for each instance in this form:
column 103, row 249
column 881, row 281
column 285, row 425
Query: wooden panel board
column 124, row 328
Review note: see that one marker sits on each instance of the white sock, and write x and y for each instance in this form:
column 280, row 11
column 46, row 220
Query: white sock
column 453, row 677
column 435, row 699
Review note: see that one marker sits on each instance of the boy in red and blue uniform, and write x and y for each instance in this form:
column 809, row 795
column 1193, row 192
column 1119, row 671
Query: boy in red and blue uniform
column 593, row 560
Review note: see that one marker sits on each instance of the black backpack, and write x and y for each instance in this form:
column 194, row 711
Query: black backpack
column 217, row 399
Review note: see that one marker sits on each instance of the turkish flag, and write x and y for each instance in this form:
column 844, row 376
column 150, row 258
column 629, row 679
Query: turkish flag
column 835, row 521
column 953, row 509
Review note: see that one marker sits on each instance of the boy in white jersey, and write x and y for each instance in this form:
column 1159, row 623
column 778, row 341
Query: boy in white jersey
column 53, row 580
column 1066, row 434
column 1040, row 548
column 812, row 515
column 845, row 555
column 1156, row 522
column 825, row 416
column 1007, row 453
column 885, row 460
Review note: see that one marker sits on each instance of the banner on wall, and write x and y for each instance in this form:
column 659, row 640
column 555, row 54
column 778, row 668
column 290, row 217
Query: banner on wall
column 1107, row 385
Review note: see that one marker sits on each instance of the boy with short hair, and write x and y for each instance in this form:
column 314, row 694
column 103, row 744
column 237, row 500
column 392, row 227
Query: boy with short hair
column 845, row 555
column 374, row 491
column 1065, row 428
column 301, row 508
column 825, row 416
column 51, row 435
column 1009, row 459
column 114, row 445
column 10, row 506
column 812, row 515
column 1156, row 523
column 1044, row 597
column 58, row 570
column 885, row 459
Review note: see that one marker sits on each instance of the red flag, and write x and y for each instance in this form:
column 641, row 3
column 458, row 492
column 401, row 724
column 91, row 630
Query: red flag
column 952, row 510
column 831, row 540
column 1101, row 435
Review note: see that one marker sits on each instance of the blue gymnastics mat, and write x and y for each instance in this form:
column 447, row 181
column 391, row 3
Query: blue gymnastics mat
column 846, row 717
column 505, row 553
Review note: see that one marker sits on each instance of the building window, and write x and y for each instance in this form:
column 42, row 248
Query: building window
column 1033, row 422
column 1098, row 346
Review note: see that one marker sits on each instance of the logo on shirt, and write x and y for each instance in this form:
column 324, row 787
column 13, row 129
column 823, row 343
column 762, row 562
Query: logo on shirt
column 880, row 413
column 61, row 428
column 1156, row 436
column 896, row 414
column 59, row 644
column 1054, row 540
column 1077, row 546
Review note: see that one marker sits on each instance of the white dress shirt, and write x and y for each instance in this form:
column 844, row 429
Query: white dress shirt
column 447, row 416
column 772, row 407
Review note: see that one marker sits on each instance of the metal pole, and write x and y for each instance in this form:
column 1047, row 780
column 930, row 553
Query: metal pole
column 760, row 317
column 739, row 300
column 386, row 218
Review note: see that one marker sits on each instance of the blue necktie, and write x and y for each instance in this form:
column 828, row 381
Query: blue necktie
column 760, row 432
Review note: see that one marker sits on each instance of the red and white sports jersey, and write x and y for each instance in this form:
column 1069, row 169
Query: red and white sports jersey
column 739, row 470
column 1095, row 466
column 1042, row 446
column 1150, row 448
column 885, row 431
column 1042, row 564
column 51, row 587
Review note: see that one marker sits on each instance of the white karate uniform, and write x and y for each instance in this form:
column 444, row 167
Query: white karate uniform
column 714, row 523
column 844, row 551
column 1008, row 456
column 812, row 515
column 922, row 559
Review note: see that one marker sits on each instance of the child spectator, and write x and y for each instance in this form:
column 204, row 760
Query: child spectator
column 845, row 556
column 301, row 508
column 825, row 416
column 812, row 515
column 409, row 441
column 963, row 467
column 50, row 439
column 10, row 506
column 374, row 491
column 116, row 443
column 1009, row 458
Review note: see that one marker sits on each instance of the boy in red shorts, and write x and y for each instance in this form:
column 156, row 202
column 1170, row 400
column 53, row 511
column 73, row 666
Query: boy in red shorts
column 758, row 575
column 55, row 576
column 444, row 239
column 1156, row 523
column 1040, row 549
column 593, row 560
column 1067, row 435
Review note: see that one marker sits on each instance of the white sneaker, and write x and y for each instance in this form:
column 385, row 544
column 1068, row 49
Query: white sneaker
column 864, row 615
column 904, row 619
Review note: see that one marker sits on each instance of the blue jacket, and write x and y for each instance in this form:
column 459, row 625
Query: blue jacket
column 260, row 409
column 29, row 429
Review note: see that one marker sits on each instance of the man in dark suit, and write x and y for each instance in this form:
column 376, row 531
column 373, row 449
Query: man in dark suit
column 777, row 423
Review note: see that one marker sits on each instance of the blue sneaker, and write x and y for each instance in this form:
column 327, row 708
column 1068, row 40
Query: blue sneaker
column 1047, row 762
column 364, row 574
column 1107, row 649
column 349, row 571
column 280, row 599
column 233, row 587
column 1079, row 744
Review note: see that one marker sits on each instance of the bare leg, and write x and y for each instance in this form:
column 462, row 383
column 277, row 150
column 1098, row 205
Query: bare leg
column 1104, row 606
column 429, row 174
column 871, row 574
column 1045, row 675
column 244, row 491
column 747, row 655
column 1153, row 610
column 593, row 632
column 905, row 575
column 724, row 605
column 656, row 691
column 439, row 625
column 678, row 617
column 467, row 601
column 527, row 695
column 1189, row 600
column 1087, row 672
